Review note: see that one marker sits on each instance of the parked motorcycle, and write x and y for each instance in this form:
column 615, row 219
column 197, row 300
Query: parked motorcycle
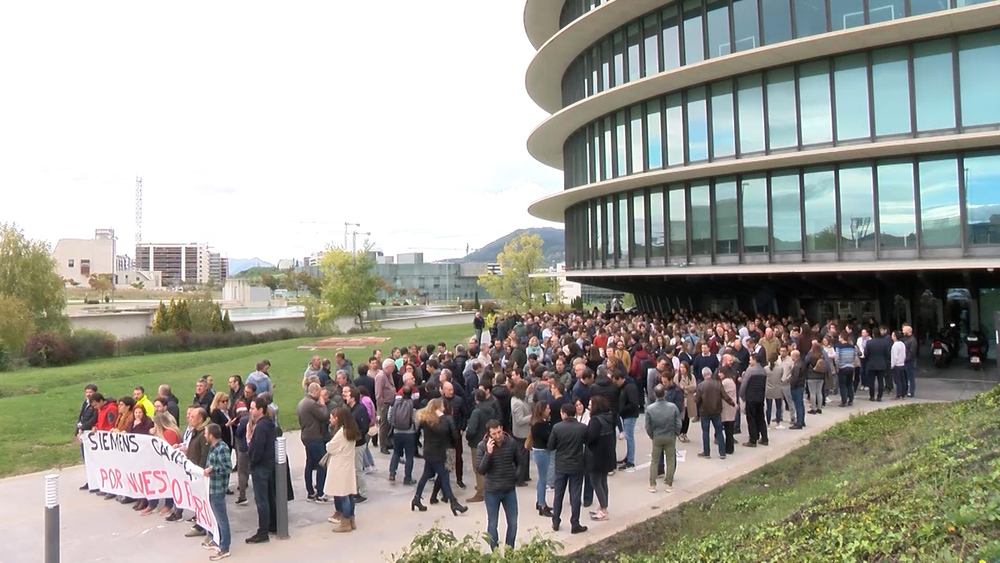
column 945, row 346
column 977, row 346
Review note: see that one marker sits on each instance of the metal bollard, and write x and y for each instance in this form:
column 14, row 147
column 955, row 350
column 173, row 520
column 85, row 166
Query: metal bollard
column 52, row 518
column 281, row 486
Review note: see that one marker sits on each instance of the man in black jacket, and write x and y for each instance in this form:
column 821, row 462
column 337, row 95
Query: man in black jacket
column 352, row 399
column 86, row 420
column 454, row 406
column 501, row 393
column 752, row 392
column 261, row 448
column 568, row 440
column 497, row 460
column 485, row 411
column 628, row 408
column 877, row 351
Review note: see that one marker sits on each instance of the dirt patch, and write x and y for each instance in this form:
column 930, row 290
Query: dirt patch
column 343, row 342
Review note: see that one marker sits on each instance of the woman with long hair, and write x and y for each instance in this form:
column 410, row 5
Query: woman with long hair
column 220, row 415
column 686, row 382
column 541, row 428
column 439, row 434
column 341, row 477
column 164, row 428
column 520, row 414
column 141, row 424
column 601, row 443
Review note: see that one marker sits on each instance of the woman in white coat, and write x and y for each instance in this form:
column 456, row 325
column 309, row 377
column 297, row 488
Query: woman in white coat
column 341, row 481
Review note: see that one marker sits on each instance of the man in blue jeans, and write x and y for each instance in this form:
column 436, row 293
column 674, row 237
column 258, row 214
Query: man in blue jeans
column 497, row 460
column 314, row 421
column 709, row 397
column 261, row 449
column 217, row 468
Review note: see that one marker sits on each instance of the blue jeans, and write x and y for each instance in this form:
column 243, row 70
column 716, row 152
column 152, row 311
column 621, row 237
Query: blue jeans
column 493, row 501
column 314, row 452
column 910, row 367
column 629, row 431
column 218, row 503
column 345, row 505
column 542, row 459
column 713, row 420
column 736, row 423
column 431, row 469
column 403, row 445
column 778, row 406
column 261, row 497
column 798, row 398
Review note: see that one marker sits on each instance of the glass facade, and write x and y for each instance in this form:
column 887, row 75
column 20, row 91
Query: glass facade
column 912, row 205
column 691, row 31
column 941, row 86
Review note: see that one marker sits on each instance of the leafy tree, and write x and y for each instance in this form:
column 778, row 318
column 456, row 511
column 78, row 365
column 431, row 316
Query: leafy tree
column 17, row 323
column 269, row 280
column 349, row 285
column 138, row 285
column 161, row 320
column 289, row 281
column 182, row 320
column 171, row 318
column 628, row 301
column 312, row 284
column 227, row 325
column 514, row 286
column 101, row 283
column 28, row 272
column 475, row 305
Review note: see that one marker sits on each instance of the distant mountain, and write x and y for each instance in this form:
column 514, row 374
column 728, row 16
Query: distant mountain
column 237, row 265
column 553, row 246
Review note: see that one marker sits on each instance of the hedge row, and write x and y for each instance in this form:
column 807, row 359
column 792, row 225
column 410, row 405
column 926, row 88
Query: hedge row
column 51, row 349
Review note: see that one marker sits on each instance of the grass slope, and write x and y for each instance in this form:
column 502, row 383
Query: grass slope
column 38, row 407
column 909, row 483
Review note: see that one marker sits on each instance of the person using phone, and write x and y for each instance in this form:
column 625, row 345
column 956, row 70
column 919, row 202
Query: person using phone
column 498, row 460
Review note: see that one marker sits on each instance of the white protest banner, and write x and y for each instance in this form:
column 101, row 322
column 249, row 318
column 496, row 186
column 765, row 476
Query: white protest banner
column 142, row 466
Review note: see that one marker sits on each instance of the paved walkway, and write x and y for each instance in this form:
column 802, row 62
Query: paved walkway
column 97, row 530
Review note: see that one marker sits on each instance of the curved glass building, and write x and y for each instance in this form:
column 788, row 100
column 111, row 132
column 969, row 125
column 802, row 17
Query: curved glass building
column 841, row 156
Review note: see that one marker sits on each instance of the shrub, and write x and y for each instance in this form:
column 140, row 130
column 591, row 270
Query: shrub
column 442, row 546
column 5, row 360
column 186, row 341
column 48, row 349
column 87, row 344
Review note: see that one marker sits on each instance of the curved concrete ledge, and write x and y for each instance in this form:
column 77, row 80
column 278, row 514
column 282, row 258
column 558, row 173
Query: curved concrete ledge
column 541, row 20
column 546, row 142
column 544, row 76
column 552, row 207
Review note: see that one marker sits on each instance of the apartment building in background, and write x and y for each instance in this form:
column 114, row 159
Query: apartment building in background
column 180, row 263
column 77, row 259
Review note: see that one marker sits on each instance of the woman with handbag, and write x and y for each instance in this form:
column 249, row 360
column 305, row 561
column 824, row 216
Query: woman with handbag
column 439, row 436
column 341, row 479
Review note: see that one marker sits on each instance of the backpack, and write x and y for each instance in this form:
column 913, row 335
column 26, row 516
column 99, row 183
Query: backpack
column 820, row 366
column 402, row 415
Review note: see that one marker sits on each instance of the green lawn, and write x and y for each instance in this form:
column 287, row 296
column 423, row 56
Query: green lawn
column 910, row 483
column 38, row 407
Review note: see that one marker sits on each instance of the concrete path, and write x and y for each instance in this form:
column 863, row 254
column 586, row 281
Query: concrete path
column 97, row 530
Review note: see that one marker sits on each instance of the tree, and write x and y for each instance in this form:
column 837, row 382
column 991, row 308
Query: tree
column 171, row 318
column 269, row 280
column 514, row 286
column 349, row 285
column 311, row 283
column 475, row 305
column 17, row 324
column 138, row 285
column 161, row 320
column 182, row 320
column 289, row 281
column 217, row 319
column 28, row 272
column 227, row 325
column 101, row 283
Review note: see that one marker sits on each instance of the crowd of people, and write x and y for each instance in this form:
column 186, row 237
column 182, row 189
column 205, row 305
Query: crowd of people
column 558, row 391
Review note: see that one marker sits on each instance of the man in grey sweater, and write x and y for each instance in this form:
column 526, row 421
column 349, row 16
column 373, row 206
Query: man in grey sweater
column 663, row 423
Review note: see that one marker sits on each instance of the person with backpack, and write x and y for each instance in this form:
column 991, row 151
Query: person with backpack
column 404, row 435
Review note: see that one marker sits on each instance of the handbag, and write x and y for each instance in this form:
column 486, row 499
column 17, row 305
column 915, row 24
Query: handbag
column 324, row 460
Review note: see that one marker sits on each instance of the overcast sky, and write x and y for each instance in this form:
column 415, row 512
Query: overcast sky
column 260, row 129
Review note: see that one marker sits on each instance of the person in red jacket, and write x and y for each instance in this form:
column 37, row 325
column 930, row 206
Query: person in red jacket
column 107, row 412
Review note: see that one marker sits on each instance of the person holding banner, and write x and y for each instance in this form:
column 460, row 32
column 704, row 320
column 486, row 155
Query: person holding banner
column 341, row 471
column 164, row 428
column 218, row 466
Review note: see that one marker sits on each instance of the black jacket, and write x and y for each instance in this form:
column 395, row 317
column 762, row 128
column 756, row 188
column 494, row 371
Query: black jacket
column 360, row 414
column 601, row 443
column 368, row 383
column 455, row 406
column 500, row 468
column 877, row 351
column 438, row 439
column 262, row 443
column 87, row 418
column 628, row 399
column 567, row 441
column 460, row 361
column 603, row 386
column 798, row 378
column 502, row 396
column 476, row 426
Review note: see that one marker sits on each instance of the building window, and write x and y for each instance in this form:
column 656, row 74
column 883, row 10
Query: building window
column 850, row 78
column 786, row 212
column 746, row 25
column 896, row 214
column 857, row 209
column 71, row 263
column 726, row 217
column 982, row 198
column 723, row 134
column 821, row 211
column 885, row 10
column 939, row 210
column 750, row 103
column 977, row 67
column 639, row 226
column 845, row 14
column 934, row 86
column 701, row 220
column 656, row 224
column 678, row 225
column 697, row 125
column 85, row 267
column 694, row 40
column 777, row 18
column 781, row 119
column 753, row 191
column 814, row 103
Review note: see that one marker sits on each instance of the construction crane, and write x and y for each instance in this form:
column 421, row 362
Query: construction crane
column 138, row 212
